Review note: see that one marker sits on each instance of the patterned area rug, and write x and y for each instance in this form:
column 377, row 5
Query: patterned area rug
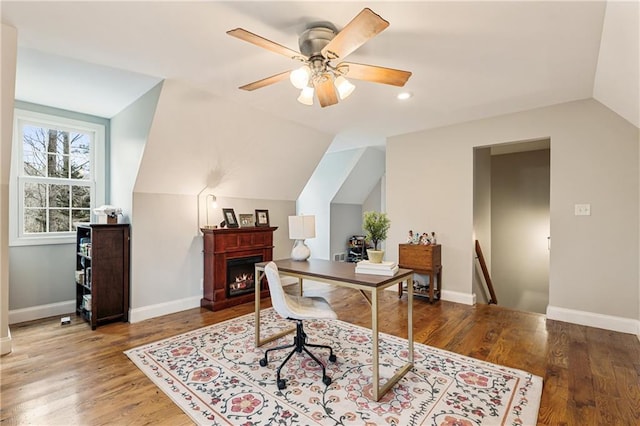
column 214, row 376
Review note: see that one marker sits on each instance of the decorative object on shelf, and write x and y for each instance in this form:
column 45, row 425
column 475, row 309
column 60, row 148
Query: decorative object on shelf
column 376, row 225
column 301, row 228
column 410, row 237
column 211, row 202
column 262, row 217
column 357, row 248
column 424, row 239
column 230, row 218
column 107, row 214
column 246, row 220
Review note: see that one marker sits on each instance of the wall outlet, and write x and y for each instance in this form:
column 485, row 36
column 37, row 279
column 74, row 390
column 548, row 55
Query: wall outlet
column 583, row 209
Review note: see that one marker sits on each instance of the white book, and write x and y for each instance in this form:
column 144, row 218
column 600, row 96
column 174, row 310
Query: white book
column 375, row 271
column 371, row 265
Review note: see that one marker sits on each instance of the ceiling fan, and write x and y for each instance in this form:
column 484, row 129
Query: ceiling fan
column 321, row 47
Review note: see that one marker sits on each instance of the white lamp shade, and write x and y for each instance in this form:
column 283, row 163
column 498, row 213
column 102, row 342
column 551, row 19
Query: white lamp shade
column 306, row 96
column 344, row 86
column 301, row 227
column 300, row 77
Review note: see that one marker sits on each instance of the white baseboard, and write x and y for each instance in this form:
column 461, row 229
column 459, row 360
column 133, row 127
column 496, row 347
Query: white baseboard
column 590, row 319
column 152, row 311
column 41, row 311
column 458, row 297
column 5, row 344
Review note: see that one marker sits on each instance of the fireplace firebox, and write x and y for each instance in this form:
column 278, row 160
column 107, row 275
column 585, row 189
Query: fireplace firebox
column 229, row 258
column 240, row 275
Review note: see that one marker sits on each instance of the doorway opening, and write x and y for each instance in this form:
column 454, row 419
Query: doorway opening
column 512, row 222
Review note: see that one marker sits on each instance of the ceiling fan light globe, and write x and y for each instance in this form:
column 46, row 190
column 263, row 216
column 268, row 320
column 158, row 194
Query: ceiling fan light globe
column 306, row 96
column 344, row 86
column 300, row 77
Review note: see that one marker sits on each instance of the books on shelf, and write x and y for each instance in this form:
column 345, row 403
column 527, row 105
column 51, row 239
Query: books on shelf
column 384, row 268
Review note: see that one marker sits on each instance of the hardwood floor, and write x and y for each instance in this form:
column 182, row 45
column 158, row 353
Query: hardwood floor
column 71, row 375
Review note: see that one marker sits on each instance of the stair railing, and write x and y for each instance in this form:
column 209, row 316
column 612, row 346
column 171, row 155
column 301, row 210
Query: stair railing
column 485, row 273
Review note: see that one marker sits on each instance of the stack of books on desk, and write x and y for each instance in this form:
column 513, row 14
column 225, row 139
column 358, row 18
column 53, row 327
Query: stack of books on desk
column 383, row 268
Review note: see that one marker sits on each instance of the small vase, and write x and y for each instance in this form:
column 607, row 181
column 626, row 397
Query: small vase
column 375, row 256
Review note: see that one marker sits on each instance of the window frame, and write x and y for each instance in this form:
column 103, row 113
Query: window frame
column 18, row 178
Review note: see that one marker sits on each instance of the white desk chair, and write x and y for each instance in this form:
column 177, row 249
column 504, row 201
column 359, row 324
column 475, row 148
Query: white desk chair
column 296, row 308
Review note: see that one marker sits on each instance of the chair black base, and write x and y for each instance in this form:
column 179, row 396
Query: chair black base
column 299, row 344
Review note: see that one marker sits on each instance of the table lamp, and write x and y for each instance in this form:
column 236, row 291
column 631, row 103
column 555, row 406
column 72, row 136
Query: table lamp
column 301, row 227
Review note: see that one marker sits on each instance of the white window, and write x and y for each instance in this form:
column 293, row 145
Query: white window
column 57, row 177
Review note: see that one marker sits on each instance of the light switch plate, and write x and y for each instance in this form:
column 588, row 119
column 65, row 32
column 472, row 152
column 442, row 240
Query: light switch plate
column 583, row 209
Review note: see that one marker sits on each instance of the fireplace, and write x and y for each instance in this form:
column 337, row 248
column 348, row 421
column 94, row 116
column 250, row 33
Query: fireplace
column 229, row 258
column 240, row 275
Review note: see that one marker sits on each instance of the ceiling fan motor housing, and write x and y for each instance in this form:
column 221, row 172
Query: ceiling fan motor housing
column 313, row 40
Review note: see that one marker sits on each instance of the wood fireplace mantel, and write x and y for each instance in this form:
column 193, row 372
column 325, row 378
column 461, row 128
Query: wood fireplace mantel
column 221, row 245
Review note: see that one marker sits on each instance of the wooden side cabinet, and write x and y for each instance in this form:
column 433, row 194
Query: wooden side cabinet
column 423, row 259
column 102, row 273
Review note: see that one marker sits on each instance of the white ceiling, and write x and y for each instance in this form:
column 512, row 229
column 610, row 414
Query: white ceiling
column 469, row 60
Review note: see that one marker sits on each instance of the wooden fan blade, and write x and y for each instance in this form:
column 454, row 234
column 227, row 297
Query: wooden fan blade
column 250, row 37
column 326, row 92
column 266, row 81
column 376, row 74
column 366, row 25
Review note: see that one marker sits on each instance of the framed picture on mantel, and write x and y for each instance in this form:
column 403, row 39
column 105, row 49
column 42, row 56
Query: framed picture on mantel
column 230, row 218
column 246, row 220
column 262, row 217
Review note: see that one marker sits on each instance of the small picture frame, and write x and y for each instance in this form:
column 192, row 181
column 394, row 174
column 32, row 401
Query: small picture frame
column 246, row 220
column 230, row 218
column 262, row 217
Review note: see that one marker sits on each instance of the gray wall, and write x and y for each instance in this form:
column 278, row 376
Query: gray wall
column 346, row 220
column 519, row 229
column 482, row 219
column 595, row 160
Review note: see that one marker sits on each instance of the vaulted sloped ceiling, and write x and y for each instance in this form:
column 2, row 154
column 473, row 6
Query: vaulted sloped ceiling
column 469, row 60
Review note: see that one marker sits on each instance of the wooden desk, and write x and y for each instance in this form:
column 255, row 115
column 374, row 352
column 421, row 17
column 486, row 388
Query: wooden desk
column 343, row 274
column 423, row 259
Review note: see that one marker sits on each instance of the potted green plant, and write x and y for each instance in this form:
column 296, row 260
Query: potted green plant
column 376, row 225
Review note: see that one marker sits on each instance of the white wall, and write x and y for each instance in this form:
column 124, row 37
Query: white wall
column 594, row 160
column 320, row 190
column 617, row 81
column 129, row 130
column 373, row 202
column 8, row 52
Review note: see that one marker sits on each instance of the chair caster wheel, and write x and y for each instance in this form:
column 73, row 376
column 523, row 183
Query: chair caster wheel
column 282, row 384
column 326, row 380
column 263, row 362
column 332, row 358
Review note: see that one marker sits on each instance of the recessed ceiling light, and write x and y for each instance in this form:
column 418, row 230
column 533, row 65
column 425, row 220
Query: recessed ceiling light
column 403, row 96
